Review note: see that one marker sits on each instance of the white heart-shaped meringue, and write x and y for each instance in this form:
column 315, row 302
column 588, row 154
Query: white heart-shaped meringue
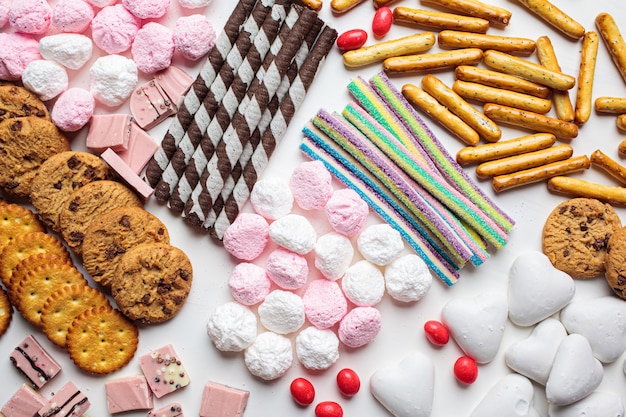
column 537, row 289
column 511, row 396
column 599, row 403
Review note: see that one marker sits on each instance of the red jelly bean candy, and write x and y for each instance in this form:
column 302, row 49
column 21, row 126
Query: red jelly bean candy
column 302, row 391
column 465, row 370
column 348, row 382
column 328, row 409
column 352, row 39
column 383, row 18
column 436, row 333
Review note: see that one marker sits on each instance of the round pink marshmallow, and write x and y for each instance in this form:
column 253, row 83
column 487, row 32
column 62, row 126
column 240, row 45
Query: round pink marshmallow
column 324, row 303
column 72, row 16
column 249, row 284
column 17, row 51
column 153, row 48
column 310, row 185
column 114, row 28
column 346, row 212
column 194, row 36
column 360, row 326
column 4, row 12
column 73, row 109
column 287, row 269
column 102, row 3
column 30, row 16
column 247, row 237
column 147, row 9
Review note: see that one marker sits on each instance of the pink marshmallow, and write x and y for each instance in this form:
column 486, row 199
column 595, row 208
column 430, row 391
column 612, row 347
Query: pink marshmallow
column 73, row 109
column 360, row 326
column 324, row 303
column 194, row 36
column 310, row 185
column 30, row 16
column 153, row 48
column 147, row 9
column 287, row 269
column 114, row 28
column 249, row 284
column 4, row 12
column 247, row 237
column 72, row 16
column 17, row 51
column 102, row 3
column 346, row 212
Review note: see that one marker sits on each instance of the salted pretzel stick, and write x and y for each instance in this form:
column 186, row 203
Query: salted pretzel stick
column 562, row 104
column 532, row 175
column 615, row 105
column 475, row 8
column 412, row 44
column 585, row 77
column 434, row 61
column 613, row 168
column 556, row 17
column 313, row 4
column 380, row 3
column 501, row 80
column 581, row 188
column 530, row 120
column 524, row 161
column 486, row 94
column 504, row 148
column 341, row 6
column 440, row 20
column 620, row 122
column 610, row 33
column 457, row 39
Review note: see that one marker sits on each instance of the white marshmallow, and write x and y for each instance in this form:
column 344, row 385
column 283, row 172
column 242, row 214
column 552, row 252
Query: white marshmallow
column 407, row 278
column 282, row 312
column 113, row 79
column 271, row 198
column 232, row 327
column 380, row 244
column 45, row 78
column 317, row 349
column 512, row 395
column 599, row 403
column 194, row 4
column 363, row 284
column 294, row 232
column 72, row 50
column 269, row 357
column 333, row 255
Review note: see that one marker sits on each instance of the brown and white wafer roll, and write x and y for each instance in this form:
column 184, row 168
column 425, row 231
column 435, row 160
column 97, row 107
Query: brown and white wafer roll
column 486, row 94
column 547, row 58
column 582, row 188
column 493, row 14
column 504, row 148
column 512, row 45
column 501, row 80
column 440, row 20
column 530, row 120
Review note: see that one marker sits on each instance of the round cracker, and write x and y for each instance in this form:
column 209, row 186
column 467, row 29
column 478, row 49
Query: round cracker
column 6, row 311
column 17, row 220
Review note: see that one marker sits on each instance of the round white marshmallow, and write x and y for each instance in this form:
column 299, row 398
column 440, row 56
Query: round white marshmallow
column 113, row 79
column 72, row 50
column 333, row 255
column 363, row 284
column 270, row 356
column 232, row 327
column 45, row 78
column 407, row 278
column 380, row 244
column 282, row 312
column 294, row 232
column 317, row 349
column 272, row 198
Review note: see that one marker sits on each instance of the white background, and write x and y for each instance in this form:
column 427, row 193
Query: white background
column 402, row 332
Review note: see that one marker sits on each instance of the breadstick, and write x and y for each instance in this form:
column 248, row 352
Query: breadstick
column 547, row 58
column 509, row 98
column 457, row 39
column 581, row 188
column 524, row 161
column 430, row 106
column 380, row 3
column 437, row 60
column 529, row 176
column 504, row 148
column 620, row 121
column 585, row 77
column 457, row 105
column 615, row 105
column 313, row 4
column 342, row 6
column 496, row 15
column 412, row 44
column 621, row 148
column 529, row 70
column 612, row 167
column 440, row 20
column 500, row 80
column 556, row 17
column 610, row 33
column 530, row 120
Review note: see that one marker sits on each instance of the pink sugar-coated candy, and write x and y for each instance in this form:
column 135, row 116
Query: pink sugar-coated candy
column 4, row 12
column 17, row 51
column 147, row 9
column 102, row 3
column 30, row 16
column 114, row 28
column 310, row 185
column 360, row 326
column 249, row 284
column 153, row 48
column 72, row 16
column 247, row 237
column 324, row 303
column 194, row 36
column 73, row 109
column 287, row 269
column 346, row 212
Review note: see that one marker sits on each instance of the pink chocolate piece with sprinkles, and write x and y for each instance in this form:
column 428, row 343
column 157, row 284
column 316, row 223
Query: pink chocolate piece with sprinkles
column 32, row 360
column 69, row 401
column 222, row 401
column 128, row 394
column 24, row 403
column 164, row 371
column 170, row 410
column 150, row 105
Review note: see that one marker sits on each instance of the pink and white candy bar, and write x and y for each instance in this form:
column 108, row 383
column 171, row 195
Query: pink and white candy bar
column 69, row 401
column 141, row 147
column 127, row 394
column 170, row 410
column 24, row 403
column 164, row 371
column 221, row 401
column 175, row 82
column 150, row 105
column 126, row 173
column 32, row 360
column 109, row 131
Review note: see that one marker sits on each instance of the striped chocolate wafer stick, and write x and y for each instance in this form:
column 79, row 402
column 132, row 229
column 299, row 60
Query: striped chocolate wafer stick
column 260, row 157
column 198, row 91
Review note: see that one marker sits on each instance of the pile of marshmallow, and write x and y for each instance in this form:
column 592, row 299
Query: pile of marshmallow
column 310, row 282
column 43, row 42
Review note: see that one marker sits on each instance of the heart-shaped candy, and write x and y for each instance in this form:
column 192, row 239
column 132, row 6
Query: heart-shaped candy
column 477, row 324
column 533, row 356
column 599, row 403
column 511, row 396
column 537, row 289
column 602, row 321
column 575, row 372
column 406, row 389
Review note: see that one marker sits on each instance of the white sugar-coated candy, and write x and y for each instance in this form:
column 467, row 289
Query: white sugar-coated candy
column 282, row 312
column 512, row 395
column 72, row 50
column 380, row 244
column 333, row 255
column 232, row 327
column 270, row 356
column 363, row 284
column 599, row 403
column 317, row 349
column 294, row 232
column 271, row 198
column 45, row 78
column 407, row 278
column 194, row 4
column 113, row 79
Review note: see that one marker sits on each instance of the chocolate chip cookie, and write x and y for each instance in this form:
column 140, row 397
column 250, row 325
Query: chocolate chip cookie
column 17, row 101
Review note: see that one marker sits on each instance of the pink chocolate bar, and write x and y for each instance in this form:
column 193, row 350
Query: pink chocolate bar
column 24, row 403
column 109, row 131
column 164, row 371
column 150, row 105
column 127, row 394
column 174, row 81
column 32, row 360
column 126, row 173
column 141, row 147
column 170, row 410
column 69, row 401
column 222, row 401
